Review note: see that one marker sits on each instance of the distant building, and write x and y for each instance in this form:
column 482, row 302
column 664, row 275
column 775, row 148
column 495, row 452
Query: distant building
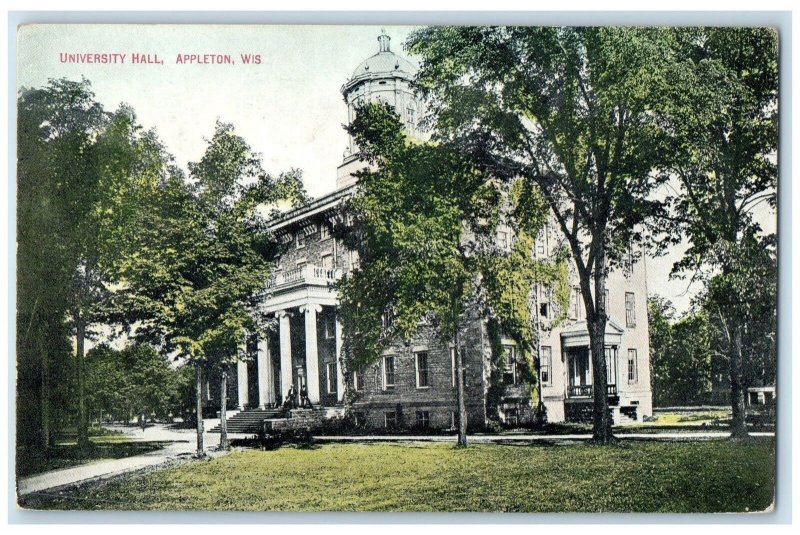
column 413, row 385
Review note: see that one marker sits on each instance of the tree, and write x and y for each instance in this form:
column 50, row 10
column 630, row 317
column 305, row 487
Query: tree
column 202, row 257
column 742, row 306
column 55, row 124
column 680, row 354
column 569, row 110
column 137, row 380
column 723, row 124
column 410, row 218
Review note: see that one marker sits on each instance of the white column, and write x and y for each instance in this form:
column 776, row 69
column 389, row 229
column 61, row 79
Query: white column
column 339, row 360
column 266, row 387
column 241, row 377
column 284, row 333
column 312, row 357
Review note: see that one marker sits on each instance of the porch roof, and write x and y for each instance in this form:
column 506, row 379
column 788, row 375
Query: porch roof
column 577, row 334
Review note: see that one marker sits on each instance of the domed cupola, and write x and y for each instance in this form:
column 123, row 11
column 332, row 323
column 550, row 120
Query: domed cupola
column 383, row 77
column 383, row 65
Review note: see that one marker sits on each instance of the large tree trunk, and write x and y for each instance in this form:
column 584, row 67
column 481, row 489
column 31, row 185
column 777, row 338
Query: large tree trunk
column 738, row 408
column 462, row 406
column 198, row 384
column 83, row 429
column 596, row 324
column 223, row 407
column 45, row 394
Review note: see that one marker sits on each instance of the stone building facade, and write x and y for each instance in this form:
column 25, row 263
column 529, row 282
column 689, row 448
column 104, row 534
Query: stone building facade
column 413, row 384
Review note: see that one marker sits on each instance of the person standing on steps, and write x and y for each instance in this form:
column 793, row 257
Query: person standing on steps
column 305, row 403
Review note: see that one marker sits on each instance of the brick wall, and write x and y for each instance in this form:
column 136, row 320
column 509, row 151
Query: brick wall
column 438, row 399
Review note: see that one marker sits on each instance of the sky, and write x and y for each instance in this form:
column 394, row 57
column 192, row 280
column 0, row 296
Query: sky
column 288, row 107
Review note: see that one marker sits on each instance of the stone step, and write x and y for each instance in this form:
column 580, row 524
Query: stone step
column 252, row 421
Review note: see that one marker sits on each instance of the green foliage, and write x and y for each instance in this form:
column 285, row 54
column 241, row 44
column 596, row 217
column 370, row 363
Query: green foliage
column 647, row 476
column 136, row 380
column 723, row 121
column 570, row 110
column 741, row 303
column 577, row 120
column 200, row 253
column 76, row 165
column 409, row 220
column 723, row 118
column 680, row 355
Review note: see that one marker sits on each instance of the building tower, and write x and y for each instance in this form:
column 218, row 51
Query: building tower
column 384, row 77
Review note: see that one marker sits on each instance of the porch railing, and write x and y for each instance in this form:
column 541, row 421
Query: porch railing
column 307, row 274
column 585, row 391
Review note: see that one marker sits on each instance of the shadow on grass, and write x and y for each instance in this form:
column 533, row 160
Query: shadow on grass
column 67, row 455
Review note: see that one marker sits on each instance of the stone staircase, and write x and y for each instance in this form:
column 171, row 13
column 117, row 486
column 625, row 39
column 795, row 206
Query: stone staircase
column 254, row 421
column 628, row 415
column 250, row 421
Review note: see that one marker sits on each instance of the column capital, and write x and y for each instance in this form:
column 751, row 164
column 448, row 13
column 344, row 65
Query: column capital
column 310, row 307
column 283, row 314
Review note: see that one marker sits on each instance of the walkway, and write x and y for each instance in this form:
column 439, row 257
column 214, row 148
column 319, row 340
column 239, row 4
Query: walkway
column 183, row 443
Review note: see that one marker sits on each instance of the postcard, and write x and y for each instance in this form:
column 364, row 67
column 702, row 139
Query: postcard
column 396, row 268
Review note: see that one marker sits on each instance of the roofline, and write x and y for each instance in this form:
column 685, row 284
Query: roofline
column 315, row 206
column 355, row 80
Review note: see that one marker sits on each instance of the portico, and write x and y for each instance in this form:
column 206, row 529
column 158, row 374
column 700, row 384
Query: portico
column 304, row 349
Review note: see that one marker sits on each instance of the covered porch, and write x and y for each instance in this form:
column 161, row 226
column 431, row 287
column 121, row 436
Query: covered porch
column 305, row 349
column 579, row 369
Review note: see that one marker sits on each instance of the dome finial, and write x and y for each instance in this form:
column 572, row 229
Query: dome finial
column 384, row 39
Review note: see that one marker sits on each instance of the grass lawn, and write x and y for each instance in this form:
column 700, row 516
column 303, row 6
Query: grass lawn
column 66, row 454
column 712, row 476
column 692, row 418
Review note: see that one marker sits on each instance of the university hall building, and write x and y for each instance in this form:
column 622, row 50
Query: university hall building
column 413, row 384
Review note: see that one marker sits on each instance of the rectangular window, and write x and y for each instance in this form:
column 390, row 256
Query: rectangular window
column 611, row 365
column 630, row 310
column 359, row 419
column 353, row 260
column 331, row 378
column 629, row 259
column 510, row 370
column 301, row 263
column 358, row 380
column 545, row 365
column 387, row 318
column 325, row 231
column 453, row 365
column 301, row 239
column 502, row 240
column 422, row 369
column 411, row 118
column 512, row 417
column 575, row 309
column 544, row 301
column 327, row 261
column 423, row 419
column 388, row 373
column 390, row 419
column 541, row 242
column 329, row 324
column 633, row 366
